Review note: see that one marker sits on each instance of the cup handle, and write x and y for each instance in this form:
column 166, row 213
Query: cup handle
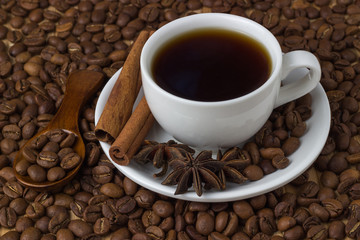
column 299, row 87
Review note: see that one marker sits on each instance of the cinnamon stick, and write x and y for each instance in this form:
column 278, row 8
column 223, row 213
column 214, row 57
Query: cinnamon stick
column 132, row 135
column 119, row 106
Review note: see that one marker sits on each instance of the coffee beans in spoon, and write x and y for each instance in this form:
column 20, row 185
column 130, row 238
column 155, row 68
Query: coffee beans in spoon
column 49, row 157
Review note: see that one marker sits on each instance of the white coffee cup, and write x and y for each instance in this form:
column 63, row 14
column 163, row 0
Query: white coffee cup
column 220, row 124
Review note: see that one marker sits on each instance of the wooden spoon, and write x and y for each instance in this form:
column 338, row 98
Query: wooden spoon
column 80, row 86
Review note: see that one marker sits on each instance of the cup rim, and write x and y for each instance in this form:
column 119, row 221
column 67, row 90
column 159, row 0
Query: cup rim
column 187, row 20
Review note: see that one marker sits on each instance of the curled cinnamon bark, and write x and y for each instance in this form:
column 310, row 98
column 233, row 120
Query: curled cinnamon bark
column 132, row 135
column 119, row 106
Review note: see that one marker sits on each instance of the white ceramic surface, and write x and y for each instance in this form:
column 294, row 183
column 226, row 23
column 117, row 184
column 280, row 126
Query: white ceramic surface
column 230, row 122
column 311, row 145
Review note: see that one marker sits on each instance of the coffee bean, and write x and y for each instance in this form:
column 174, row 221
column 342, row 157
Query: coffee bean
column 58, row 221
column 336, row 229
column 92, row 213
column 80, row 228
column 102, row 226
column 253, row 172
column 280, row 162
column 243, row 209
column 35, row 210
column 10, row 235
column 52, row 210
column 78, row 207
column 102, row 174
column 22, row 166
column 70, row 161
column 13, row 189
column 121, row 233
column 47, row 159
column 36, row 173
column 144, row 198
column 329, row 179
column 51, row 147
column 62, row 199
column 162, row 208
column 64, row 234
column 46, row 199
column 19, row 205
column 43, row 224
column 31, row 233
column 55, row 174
column 204, row 223
column 7, row 217
column 23, row 223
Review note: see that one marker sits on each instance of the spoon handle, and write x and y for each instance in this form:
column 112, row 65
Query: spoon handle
column 79, row 87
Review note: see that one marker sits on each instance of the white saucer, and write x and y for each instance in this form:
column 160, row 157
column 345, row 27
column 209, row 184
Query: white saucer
column 311, row 145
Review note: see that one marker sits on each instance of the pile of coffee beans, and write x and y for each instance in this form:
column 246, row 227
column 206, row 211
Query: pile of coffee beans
column 49, row 156
column 42, row 42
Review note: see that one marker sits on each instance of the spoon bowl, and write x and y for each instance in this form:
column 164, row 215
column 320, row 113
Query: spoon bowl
column 80, row 86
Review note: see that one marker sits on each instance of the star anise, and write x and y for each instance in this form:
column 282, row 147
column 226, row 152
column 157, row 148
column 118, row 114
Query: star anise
column 161, row 153
column 235, row 160
column 197, row 172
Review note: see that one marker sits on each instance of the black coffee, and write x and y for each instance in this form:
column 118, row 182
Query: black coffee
column 211, row 65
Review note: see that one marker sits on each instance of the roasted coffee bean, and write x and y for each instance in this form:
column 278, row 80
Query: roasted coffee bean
column 336, row 230
column 267, row 221
column 319, row 211
column 283, row 209
column 55, row 174
column 23, row 223
column 64, row 200
column 92, row 213
column 163, row 208
column 52, row 210
column 35, row 210
column 51, row 147
column 46, row 199
column 329, row 179
column 13, row 189
column 102, row 174
column 31, row 233
column 102, row 226
column 205, row 223
column 19, row 205
column 29, row 154
column 43, row 224
column 130, row 187
column 22, row 166
column 70, row 161
column 243, row 209
column 36, row 173
column 144, row 198
column 63, row 152
column 280, row 162
column 122, row 233
column 80, row 228
column 125, row 204
column 29, row 194
column 64, row 234
column 10, row 235
column 58, row 221
column 7, row 217
column 98, row 200
column 47, row 159
column 112, row 190
column 78, row 207
column 253, row 172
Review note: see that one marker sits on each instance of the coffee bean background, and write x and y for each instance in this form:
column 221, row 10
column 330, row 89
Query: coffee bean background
column 42, row 42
